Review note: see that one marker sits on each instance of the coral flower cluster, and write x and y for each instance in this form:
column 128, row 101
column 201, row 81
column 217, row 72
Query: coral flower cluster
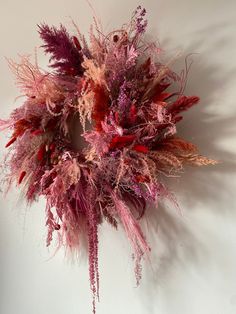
column 97, row 135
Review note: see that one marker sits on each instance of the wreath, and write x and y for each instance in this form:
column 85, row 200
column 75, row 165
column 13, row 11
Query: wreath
column 96, row 136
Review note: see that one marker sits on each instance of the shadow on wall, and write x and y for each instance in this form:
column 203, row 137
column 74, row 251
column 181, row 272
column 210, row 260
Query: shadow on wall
column 174, row 240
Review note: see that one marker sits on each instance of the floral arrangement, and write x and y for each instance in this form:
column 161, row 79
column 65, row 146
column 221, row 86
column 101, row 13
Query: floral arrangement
column 97, row 135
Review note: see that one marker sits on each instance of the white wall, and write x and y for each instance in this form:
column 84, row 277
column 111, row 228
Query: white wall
column 192, row 268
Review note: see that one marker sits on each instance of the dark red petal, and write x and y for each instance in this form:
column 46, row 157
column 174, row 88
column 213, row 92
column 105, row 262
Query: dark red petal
column 11, row 141
column 141, row 148
column 132, row 113
column 41, row 152
column 121, row 141
column 76, row 42
column 22, row 175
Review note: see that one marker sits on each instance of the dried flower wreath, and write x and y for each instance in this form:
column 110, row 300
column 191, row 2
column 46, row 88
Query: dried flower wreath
column 111, row 93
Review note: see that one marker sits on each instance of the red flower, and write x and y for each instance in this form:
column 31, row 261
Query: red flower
column 121, row 141
column 141, row 149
